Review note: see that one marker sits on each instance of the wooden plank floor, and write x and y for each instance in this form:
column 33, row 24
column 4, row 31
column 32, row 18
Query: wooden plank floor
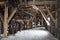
column 31, row 35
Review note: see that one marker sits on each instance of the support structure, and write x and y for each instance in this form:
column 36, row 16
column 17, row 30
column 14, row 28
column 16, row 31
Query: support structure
column 50, row 14
column 6, row 21
column 42, row 13
column 12, row 14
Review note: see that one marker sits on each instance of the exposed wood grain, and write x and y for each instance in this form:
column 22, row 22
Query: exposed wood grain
column 6, row 21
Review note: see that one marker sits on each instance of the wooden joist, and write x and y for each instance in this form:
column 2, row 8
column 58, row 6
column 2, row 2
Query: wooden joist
column 19, row 20
column 6, row 21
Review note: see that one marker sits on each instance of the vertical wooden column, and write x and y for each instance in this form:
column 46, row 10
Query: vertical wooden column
column 56, row 14
column 56, row 19
column 28, row 24
column 5, row 21
column 42, row 22
column 56, row 25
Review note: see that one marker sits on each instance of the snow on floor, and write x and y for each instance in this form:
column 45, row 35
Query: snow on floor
column 31, row 35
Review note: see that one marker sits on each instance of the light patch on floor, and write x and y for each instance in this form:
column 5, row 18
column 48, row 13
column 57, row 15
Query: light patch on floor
column 31, row 35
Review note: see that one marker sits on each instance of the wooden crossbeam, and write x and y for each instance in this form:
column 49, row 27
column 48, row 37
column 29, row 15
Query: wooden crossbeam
column 32, row 18
column 42, row 13
column 50, row 13
column 53, row 11
column 28, row 13
column 44, row 16
column 1, row 3
column 12, row 14
column 19, row 20
column 6, row 21
column 42, row 2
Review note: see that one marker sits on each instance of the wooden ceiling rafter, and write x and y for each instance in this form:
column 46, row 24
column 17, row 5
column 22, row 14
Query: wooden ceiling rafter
column 42, row 13
column 50, row 13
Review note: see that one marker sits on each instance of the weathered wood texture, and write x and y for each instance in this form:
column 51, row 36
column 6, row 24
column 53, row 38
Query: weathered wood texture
column 6, row 21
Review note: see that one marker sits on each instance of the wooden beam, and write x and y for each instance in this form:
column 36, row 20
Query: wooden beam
column 44, row 16
column 56, row 15
column 42, row 13
column 50, row 13
column 42, row 21
column 1, row 3
column 42, row 2
column 28, row 13
column 6, row 21
column 28, row 24
column 1, row 16
column 56, row 20
column 12, row 14
column 19, row 20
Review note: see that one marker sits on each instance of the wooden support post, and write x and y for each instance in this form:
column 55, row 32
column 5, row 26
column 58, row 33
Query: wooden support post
column 42, row 2
column 56, row 21
column 56, row 15
column 56, row 24
column 42, row 21
column 28, row 24
column 6, row 21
